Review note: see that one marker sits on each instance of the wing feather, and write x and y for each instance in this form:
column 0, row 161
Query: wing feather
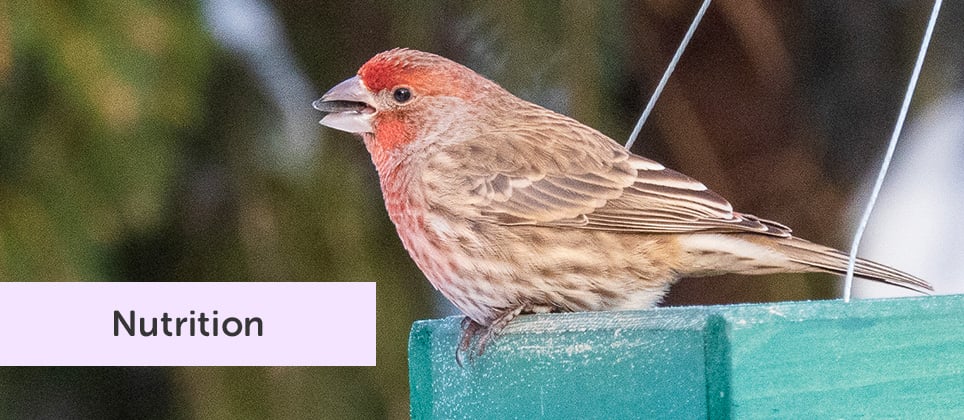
column 587, row 181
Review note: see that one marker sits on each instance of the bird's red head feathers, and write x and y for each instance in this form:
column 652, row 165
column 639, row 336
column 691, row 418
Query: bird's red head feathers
column 441, row 94
column 427, row 74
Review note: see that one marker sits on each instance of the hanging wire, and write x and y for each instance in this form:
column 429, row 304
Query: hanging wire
column 667, row 73
column 849, row 279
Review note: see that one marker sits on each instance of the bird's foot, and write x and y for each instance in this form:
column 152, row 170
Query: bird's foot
column 476, row 336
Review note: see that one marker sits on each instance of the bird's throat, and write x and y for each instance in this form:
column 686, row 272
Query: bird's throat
column 392, row 133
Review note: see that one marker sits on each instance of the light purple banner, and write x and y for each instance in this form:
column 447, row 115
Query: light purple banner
column 300, row 324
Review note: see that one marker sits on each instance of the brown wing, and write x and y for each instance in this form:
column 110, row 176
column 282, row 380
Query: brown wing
column 571, row 175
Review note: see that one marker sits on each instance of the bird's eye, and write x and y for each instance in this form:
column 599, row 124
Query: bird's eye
column 402, row 95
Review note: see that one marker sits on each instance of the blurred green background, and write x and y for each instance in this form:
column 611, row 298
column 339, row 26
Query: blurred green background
column 174, row 141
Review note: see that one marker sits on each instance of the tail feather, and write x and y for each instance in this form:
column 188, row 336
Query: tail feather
column 831, row 260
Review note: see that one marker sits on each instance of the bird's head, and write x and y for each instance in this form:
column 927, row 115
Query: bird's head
column 401, row 96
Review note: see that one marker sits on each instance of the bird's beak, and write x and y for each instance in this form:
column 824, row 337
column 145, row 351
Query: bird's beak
column 349, row 107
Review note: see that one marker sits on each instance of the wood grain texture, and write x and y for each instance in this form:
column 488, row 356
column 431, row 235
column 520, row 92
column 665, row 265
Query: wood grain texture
column 869, row 359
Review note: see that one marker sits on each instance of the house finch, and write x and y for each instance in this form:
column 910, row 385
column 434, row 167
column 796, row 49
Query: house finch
column 510, row 208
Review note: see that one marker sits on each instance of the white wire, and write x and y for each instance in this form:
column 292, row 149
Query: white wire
column 849, row 279
column 667, row 73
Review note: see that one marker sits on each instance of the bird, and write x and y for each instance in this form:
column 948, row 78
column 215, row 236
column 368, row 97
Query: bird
column 510, row 208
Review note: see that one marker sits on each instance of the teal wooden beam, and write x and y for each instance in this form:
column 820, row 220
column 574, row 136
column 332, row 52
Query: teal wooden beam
column 868, row 358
